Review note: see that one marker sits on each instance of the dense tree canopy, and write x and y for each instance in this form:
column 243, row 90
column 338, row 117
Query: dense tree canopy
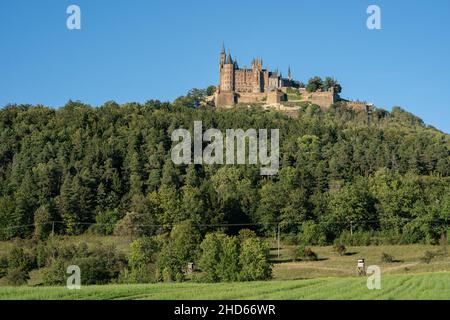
column 108, row 169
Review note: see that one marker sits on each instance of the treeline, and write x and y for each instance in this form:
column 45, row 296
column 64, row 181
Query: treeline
column 382, row 177
column 173, row 257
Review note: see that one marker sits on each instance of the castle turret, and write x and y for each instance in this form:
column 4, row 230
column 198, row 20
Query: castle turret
column 223, row 56
column 257, row 75
column 227, row 74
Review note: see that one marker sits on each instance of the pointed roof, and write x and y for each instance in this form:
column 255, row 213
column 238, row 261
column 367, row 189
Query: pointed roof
column 229, row 59
column 223, row 47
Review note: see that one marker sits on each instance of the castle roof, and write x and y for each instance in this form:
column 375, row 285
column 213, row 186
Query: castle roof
column 229, row 59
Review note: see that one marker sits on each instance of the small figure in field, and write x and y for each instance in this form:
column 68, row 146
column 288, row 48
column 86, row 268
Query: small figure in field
column 361, row 267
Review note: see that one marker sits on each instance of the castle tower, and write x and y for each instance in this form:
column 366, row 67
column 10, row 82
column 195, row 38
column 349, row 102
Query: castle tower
column 227, row 74
column 289, row 74
column 257, row 74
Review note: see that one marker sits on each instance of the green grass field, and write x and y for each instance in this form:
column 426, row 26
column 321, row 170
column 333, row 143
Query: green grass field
column 412, row 286
column 332, row 277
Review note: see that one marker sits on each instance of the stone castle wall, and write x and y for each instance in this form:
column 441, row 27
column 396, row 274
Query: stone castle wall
column 322, row 99
column 224, row 99
column 228, row 99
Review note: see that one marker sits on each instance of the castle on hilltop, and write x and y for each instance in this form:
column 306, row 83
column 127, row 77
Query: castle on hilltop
column 249, row 85
column 261, row 86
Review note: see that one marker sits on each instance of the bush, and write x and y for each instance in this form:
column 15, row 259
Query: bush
column 225, row 258
column 387, row 258
column 180, row 249
column 141, row 261
column 17, row 277
column 105, row 222
column 357, row 239
column 254, row 260
column 339, row 248
column 312, row 234
column 211, row 251
column 246, row 234
column 134, row 224
column 99, row 265
column 307, row 254
column 428, row 256
column 55, row 274
column 19, row 259
column 169, row 265
column 19, row 264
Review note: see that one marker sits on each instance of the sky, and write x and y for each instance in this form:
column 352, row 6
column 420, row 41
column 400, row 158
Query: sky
column 137, row 50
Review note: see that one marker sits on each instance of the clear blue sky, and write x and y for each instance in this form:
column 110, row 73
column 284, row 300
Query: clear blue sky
column 137, row 50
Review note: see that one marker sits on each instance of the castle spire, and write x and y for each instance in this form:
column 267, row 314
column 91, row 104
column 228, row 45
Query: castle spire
column 289, row 74
column 229, row 59
column 223, row 56
column 236, row 66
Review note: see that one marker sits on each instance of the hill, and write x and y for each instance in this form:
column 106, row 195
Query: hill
column 86, row 167
column 79, row 165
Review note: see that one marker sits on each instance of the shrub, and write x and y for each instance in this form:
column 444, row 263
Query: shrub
column 312, row 234
column 19, row 265
column 105, row 222
column 46, row 252
column 169, row 265
column 141, row 261
column 55, row 274
column 211, row 251
column 254, row 260
column 246, row 234
column 17, row 277
column 428, row 257
column 99, row 265
column 339, row 248
column 180, row 249
column 387, row 258
column 134, row 224
column 307, row 254
column 19, row 259
column 225, row 258
column 357, row 239
column 228, row 267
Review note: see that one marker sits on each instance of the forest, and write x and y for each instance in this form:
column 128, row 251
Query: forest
column 381, row 177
